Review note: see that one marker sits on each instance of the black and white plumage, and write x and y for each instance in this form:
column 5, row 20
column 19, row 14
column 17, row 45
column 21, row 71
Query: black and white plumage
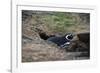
column 61, row 41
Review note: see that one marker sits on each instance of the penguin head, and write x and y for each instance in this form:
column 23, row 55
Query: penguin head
column 69, row 37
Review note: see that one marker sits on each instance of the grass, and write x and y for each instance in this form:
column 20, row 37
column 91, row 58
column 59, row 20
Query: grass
column 59, row 21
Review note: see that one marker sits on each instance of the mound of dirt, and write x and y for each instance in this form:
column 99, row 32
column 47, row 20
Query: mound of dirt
column 41, row 51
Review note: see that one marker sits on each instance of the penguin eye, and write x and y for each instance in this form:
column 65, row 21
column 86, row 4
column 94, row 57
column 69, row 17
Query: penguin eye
column 70, row 37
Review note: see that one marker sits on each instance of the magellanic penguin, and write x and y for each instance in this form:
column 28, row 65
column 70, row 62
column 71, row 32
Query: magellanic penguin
column 61, row 41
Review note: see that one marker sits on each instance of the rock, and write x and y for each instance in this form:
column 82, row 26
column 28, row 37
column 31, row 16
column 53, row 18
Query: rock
column 84, row 37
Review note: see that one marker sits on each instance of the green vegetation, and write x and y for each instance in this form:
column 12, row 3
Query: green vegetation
column 60, row 22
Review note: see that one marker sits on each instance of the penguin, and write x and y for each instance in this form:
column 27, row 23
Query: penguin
column 61, row 41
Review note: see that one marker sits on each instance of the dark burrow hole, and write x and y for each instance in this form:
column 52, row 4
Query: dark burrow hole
column 43, row 36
